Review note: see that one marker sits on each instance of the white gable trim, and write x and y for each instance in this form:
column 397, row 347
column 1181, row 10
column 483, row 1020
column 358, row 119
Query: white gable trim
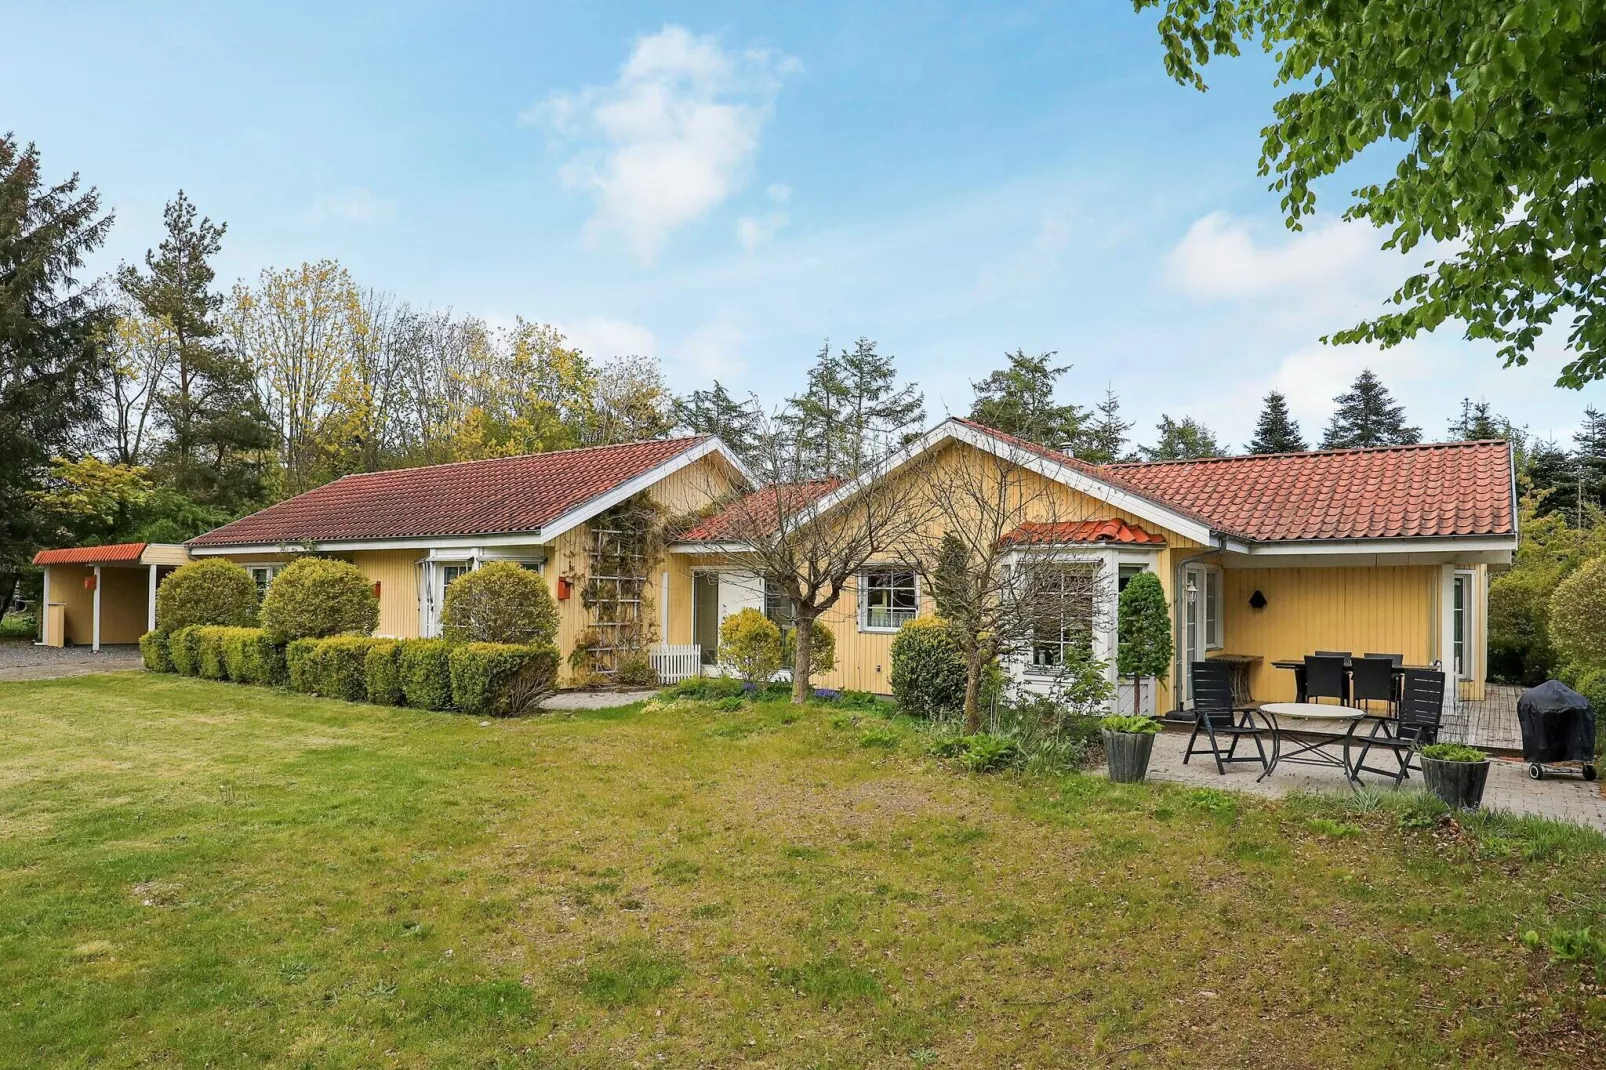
column 630, row 488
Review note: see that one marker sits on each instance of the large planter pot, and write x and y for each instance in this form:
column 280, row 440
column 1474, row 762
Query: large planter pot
column 1459, row 784
column 1127, row 754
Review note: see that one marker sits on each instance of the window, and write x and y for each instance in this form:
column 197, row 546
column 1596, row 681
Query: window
column 889, row 600
column 1212, row 608
column 1124, row 576
column 1463, row 584
column 1066, row 625
column 263, row 575
column 450, row 573
column 779, row 608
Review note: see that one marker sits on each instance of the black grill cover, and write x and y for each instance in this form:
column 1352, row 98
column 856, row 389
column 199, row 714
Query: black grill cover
column 1558, row 724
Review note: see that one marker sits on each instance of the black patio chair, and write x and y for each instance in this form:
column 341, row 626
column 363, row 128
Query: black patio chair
column 1417, row 724
column 1345, row 654
column 1214, row 715
column 1397, row 659
column 1326, row 677
column 1372, row 680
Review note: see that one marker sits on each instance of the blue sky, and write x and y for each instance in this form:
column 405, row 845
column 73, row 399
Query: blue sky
column 724, row 186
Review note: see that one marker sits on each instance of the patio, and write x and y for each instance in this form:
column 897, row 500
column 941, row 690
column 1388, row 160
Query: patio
column 1563, row 799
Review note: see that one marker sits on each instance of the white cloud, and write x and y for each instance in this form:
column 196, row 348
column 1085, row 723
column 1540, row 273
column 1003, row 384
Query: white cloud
column 712, row 351
column 753, row 231
column 673, row 137
column 1221, row 257
column 354, row 204
column 602, row 338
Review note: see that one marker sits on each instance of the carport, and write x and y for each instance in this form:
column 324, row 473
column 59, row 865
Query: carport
column 103, row 594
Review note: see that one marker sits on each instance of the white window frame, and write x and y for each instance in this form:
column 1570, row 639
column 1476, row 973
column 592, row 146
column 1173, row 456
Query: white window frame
column 1031, row 667
column 272, row 568
column 864, row 597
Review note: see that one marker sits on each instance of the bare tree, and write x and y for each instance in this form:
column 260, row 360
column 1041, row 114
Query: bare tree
column 995, row 558
column 142, row 352
column 811, row 537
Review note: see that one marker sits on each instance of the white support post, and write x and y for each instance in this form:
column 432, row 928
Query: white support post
column 95, row 643
column 150, row 604
column 44, row 609
column 1452, row 689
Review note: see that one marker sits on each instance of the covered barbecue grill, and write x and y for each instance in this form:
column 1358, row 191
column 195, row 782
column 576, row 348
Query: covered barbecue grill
column 1558, row 725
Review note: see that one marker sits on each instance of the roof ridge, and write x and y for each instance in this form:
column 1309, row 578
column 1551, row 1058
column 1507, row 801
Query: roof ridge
column 1399, row 448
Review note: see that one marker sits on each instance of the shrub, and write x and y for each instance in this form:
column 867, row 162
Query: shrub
column 212, row 591
column 750, row 646
column 980, row 753
column 1143, row 726
column 500, row 679
column 209, row 664
column 343, row 667
column 303, row 660
column 635, row 669
column 1143, row 633
column 382, row 672
column 928, row 672
column 316, row 597
column 426, row 675
column 499, row 602
column 1453, row 752
column 705, row 688
column 1592, row 685
column 183, row 646
column 822, row 649
column 251, row 658
column 1578, row 616
column 153, row 649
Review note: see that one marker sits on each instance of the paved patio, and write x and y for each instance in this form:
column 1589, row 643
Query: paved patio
column 22, row 660
column 1568, row 799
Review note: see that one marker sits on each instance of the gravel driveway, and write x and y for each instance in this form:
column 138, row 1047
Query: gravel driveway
column 22, row 660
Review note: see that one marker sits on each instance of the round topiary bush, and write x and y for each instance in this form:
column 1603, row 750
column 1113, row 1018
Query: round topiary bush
column 211, row 591
column 750, row 646
column 928, row 671
column 316, row 597
column 499, row 602
column 1578, row 616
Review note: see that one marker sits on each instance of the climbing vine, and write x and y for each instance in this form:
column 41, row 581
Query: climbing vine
column 613, row 573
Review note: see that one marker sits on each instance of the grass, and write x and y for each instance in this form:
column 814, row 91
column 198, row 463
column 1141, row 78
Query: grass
column 18, row 626
column 197, row 874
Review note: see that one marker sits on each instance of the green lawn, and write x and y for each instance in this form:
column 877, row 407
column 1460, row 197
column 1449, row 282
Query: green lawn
column 200, row 874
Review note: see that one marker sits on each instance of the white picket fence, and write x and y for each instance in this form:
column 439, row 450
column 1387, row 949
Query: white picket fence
column 675, row 663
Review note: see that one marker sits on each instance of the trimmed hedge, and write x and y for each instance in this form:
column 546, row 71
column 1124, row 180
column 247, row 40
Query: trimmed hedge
column 343, row 667
column 499, row 602
column 316, row 597
column 303, row 663
column 426, row 675
column 252, row 658
column 212, row 591
column 183, row 646
column 209, row 653
column 382, row 672
column 499, row 679
column 153, row 649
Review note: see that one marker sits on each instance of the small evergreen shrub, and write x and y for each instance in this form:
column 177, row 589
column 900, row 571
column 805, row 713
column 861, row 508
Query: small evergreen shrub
column 209, row 664
column 315, row 597
column 635, row 670
column 210, row 591
column 426, row 675
column 382, row 672
column 499, row 602
column 928, row 672
column 1143, row 633
column 303, row 660
column 501, row 679
column 251, row 658
column 183, row 646
column 153, row 649
column 750, row 646
column 343, row 667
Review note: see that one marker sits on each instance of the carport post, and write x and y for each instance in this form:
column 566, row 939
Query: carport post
column 95, row 643
column 150, row 604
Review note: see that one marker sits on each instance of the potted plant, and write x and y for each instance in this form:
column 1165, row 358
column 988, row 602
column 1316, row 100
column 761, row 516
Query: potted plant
column 1455, row 773
column 1128, row 742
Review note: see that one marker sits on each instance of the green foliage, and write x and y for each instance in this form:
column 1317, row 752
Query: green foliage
column 982, row 752
column 252, row 658
column 1571, row 944
column 184, row 648
column 1182, row 440
column 1143, row 629
column 303, row 661
column 1146, row 726
column 704, row 688
column 822, row 649
column 1453, row 752
column 1521, row 649
column 314, row 597
column 715, row 412
column 209, row 591
column 382, row 672
column 1488, row 120
column 1276, row 431
column 1592, row 685
column 499, row 602
column 928, row 671
column 849, row 409
column 1367, row 416
column 210, row 663
column 1578, row 615
column 501, row 679
column 153, row 651
column 18, row 626
column 635, row 670
column 750, row 646
column 426, row 673
column 1019, row 400
column 628, row 974
column 343, row 666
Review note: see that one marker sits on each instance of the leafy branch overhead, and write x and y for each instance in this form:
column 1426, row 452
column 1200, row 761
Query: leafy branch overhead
column 1497, row 111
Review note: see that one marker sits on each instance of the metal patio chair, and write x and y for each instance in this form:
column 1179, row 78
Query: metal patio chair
column 1326, row 676
column 1215, row 716
column 1421, row 711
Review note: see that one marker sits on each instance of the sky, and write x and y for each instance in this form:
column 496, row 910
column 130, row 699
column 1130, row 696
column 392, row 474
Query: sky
column 727, row 186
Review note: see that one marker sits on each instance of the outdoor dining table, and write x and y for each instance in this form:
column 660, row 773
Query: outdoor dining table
column 1297, row 666
column 1311, row 749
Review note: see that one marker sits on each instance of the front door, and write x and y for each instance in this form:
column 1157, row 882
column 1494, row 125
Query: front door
column 436, row 576
column 716, row 596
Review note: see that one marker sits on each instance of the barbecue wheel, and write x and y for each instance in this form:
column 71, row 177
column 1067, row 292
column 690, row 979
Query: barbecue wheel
column 1589, row 772
column 1536, row 772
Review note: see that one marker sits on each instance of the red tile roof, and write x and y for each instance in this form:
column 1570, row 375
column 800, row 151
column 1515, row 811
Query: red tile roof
column 498, row 496
column 755, row 508
column 1081, row 531
column 1454, row 488
column 116, row 554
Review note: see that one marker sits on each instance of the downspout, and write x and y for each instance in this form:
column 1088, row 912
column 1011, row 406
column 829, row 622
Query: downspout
column 1179, row 606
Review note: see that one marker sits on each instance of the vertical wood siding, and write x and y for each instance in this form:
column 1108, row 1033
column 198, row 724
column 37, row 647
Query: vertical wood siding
column 396, row 572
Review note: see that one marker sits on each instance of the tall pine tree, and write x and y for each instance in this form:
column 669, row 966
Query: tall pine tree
column 1368, row 416
column 1104, row 439
column 216, row 429
column 715, row 412
column 1590, row 457
column 1276, row 431
column 51, row 359
column 1477, row 422
column 1182, row 440
column 852, row 411
column 1019, row 400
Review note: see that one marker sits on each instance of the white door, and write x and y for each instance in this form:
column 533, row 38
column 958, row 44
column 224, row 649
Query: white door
column 739, row 591
column 1201, row 607
column 436, row 575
